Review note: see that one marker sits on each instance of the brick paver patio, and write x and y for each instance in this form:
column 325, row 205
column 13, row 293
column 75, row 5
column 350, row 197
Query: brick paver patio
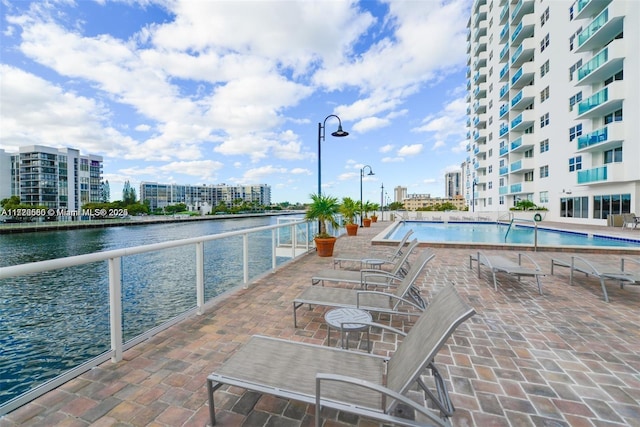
column 565, row 358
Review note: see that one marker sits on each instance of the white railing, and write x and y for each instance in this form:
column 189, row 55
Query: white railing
column 300, row 233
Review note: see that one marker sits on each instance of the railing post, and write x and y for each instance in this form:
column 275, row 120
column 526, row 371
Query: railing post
column 200, row 276
column 294, row 241
column 245, row 259
column 274, row 245
column 115, row 307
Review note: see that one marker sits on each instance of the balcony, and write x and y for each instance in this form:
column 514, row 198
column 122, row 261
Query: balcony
column 504, row 91
column 479, row 32
column 480, row 61
column 603, row 28
column 504, row 73
column 587, row 8
column 524, row 29
column 523, row 120
column 590, row 176
column 604, row 64
column 604, row 174
column 480, row 76
column 522, row 143
column 523, row 76
column 524, row 52
column 478, row 4
column 480, row 135
column 504, row 170
column 504, row 109
column 480, row 106
column 602, row 102
column 522, row 165
column 504, row 150
column 504, row 32
column 480, row 91
column 504, row 53
column 524, row 7
column 504, row 14
column 524, row 98
column 603, row 138
column 480, row 121
column 481, row 46
column 504, row 129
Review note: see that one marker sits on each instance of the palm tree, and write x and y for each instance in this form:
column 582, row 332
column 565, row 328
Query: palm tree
column 324, row 209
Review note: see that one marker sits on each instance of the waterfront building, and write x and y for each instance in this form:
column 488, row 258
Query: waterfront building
column 58, row 178
column 420, row 201
column 452, row 184
column 203, row 197
column 399, row 194
column 552, row 94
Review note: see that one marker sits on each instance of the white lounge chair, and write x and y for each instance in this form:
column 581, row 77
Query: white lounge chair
column 497, row 263
column 630, row 221
column 377, row 259
column 601, row 271
column 360, row 383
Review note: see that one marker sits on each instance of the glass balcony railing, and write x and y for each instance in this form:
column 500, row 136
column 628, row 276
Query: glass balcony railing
column 516, row 98
column 582, row 4
column 592, row 175
column 504, row 11
column 468, row 122
column 516, row 10
column 504, row 89
column 504, row 109
column 516, row 76
column 593, row 101
column 503, row 190
column 476, row 150
column 517, row 143
column 515, row 122
column 504, row 150
column 516, row 188
column 516, row 54
column 468, row 145
column 469, row 84
column 476, row 120
column 476, row 166
column 476, row 76
column 476, row 135
column 516, row 166
column 468, row 134
column 595, row 62
column 516, row 32
column 504, row 51
column 504, row 70
column 593, row 138
column 504, row 170
column 505, row 31
column 503, row 129
column 595, row 25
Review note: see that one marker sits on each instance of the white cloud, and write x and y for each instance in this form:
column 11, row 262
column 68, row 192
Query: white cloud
column 386, row 148
column 410, row 150
column 392, row 159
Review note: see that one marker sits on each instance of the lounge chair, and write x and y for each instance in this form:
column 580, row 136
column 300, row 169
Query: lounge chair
column 630, row 221
column 367, row 385
column 376, row 301
column 601, row 271
column 376, row 259
column 497, row 263
column 371, row 276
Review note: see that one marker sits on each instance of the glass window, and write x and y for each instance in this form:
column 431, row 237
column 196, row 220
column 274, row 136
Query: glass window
column 544, row 146
column 544, row 197
column 616, row 116
column 613, row 156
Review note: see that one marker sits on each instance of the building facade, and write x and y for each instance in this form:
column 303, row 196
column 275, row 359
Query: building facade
column 399, row 194
column 203, row 198
column 553, row 107
column 51, row 177
column 452, row 184
column 423, row 201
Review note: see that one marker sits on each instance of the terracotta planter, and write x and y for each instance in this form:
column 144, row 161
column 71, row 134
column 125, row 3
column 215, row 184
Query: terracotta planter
column 374, row 218
column 366, row 222
column 324, row 246
column 352, row 229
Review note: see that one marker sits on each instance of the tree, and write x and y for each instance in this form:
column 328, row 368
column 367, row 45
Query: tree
column 105, row 197
column 129, row 196
column 396, row 206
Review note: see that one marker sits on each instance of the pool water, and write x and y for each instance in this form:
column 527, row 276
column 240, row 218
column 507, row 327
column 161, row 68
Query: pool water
column 493, row 233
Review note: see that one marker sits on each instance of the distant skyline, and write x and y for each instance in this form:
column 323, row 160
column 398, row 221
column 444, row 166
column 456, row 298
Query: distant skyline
column 212, row 92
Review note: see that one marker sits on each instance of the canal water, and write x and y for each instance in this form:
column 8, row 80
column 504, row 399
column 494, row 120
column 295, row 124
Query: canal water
column 53, row 321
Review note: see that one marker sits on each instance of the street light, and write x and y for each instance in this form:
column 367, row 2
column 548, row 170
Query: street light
column 339, row 133
column 362, row 176
column 473, row 195
column 382, row 202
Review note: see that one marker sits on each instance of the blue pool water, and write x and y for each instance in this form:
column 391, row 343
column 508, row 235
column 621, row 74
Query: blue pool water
column 492, row 233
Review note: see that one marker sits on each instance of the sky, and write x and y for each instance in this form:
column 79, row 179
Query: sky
column 212, row 92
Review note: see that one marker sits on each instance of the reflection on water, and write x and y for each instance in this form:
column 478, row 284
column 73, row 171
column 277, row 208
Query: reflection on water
column 53, row 321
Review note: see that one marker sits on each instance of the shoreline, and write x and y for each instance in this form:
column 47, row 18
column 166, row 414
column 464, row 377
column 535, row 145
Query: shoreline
column 133, row 221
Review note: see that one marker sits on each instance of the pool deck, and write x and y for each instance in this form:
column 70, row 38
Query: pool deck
column 565, row 358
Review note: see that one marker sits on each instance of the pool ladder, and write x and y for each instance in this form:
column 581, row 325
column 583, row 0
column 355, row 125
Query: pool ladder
column 535, row 230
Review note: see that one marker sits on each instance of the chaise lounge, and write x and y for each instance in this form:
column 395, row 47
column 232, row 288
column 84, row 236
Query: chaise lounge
column 374, row 259
column 497, row 263
column 360, row 383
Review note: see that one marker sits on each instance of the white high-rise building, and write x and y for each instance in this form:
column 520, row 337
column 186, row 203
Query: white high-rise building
column 554, row 106
column 452, row 184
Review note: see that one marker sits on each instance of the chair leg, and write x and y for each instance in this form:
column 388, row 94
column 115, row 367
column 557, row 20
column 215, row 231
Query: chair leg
column 604, row 290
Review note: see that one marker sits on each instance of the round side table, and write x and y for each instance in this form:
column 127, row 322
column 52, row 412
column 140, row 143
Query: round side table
column 347, row 320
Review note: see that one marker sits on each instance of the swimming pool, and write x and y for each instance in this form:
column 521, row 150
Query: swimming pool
column 484, row 233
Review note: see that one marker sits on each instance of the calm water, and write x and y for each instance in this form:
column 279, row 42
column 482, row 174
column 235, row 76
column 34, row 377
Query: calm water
column 53, row 321
column 495, row 233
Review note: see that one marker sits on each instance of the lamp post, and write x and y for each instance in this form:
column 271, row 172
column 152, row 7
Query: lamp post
column 473, row 195
column 321, row 129
column 382, row 202
column 362, row 176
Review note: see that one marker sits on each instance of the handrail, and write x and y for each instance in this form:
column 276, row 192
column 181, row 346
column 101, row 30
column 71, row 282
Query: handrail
column 535, row 231
column 114, row 259
column 508, row 215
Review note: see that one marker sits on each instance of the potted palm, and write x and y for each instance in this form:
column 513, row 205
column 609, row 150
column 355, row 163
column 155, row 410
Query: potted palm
column 324, row 209
column 366, row 208
column 374, row 207
column 348, row 209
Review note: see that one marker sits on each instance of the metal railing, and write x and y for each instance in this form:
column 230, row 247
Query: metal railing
column 535, row 230
column 294, row 233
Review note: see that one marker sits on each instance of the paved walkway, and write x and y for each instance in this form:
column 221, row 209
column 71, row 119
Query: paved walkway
column 566, row 358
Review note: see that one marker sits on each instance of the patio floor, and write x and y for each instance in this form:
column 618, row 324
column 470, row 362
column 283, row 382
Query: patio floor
column 565, row 358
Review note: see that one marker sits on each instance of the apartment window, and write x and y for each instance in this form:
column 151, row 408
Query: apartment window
column 544, row 94
column 616, row 116
column 490, row 71
column 544, row 120
column 544, row 171
column 528, row 130
column 544, row 68
column 490, row 185
column 490, row 119
column 575, row 163
column 607, row 204
column 574, row 100
column 501, row 182
column 490, row 152
column 528, row 177
column 544, row 146
column 544, row 17
column 572, row 38
column 575, row 132
column 490, row 168
column 613, row 155
column 490, row 133
column 490, row 104
column 617, row 76
column 490, row 90
column 501, row 163
column 544, row 197
column 489, row 201
column 528, row 154
column 544, row 43
column 490, row 54
column 573, row 68
column 491, row 23
column 571, row 12
column 574, row 207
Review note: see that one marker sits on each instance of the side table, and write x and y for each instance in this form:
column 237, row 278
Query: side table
column 347, row 320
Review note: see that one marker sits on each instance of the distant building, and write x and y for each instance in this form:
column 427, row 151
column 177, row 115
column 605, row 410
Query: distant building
column 203, row 198
column 51, row 177
column 399, row 194
column 452, row 184
column 420, row 201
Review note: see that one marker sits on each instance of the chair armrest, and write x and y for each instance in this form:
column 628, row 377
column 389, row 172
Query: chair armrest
column 388, row 295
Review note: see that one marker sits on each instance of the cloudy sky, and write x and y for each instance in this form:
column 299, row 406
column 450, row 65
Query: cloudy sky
column 210, row 92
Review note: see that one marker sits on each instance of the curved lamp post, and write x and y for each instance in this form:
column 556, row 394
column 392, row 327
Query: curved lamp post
column 362, row 176
column 321, row 129
column 473, row 195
